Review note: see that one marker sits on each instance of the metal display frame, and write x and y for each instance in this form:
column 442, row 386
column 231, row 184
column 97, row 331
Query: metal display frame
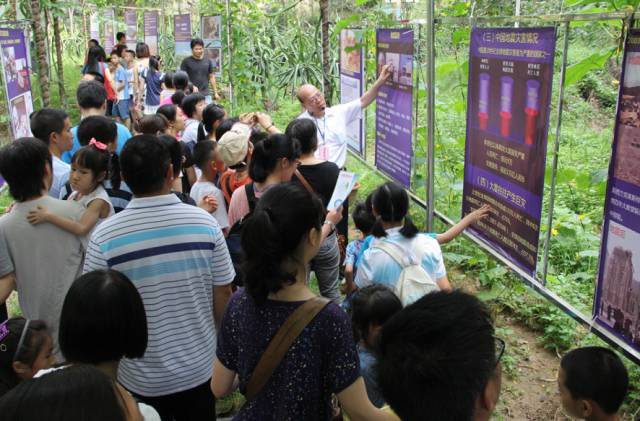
column 535, row 282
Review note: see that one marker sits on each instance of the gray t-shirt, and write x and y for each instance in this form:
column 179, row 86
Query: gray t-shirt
column 45, row 259
column 198, row 71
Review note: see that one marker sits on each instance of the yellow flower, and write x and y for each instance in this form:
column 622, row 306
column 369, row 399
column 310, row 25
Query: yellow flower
column 582, row 216
column 554, row 231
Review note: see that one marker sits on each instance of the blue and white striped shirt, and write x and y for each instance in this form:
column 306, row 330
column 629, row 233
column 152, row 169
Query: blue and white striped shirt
column 174, row 254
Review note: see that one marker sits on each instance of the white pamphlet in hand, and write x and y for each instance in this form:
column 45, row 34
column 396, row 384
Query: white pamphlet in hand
column 344, row 185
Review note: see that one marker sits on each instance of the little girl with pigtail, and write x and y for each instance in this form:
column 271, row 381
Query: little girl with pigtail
column 89, row 168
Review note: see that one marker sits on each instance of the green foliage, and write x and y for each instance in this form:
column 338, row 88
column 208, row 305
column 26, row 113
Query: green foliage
column 596, row 61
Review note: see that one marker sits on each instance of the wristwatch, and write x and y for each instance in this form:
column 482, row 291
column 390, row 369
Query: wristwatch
column 331, row 225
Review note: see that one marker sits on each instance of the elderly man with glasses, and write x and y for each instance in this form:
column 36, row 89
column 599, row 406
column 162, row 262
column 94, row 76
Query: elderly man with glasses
column 332, row 122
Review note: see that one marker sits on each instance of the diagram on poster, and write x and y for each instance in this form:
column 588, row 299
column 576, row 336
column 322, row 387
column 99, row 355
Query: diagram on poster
column 151, row 31
column 352, row 82
column 109, row 35
column 617, row 301
column 394, row 104
column 182, row 35
column 510, row 78
column 131, row 33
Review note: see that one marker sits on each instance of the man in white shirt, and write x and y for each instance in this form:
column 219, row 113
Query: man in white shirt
column 53, row 127
column 332, row 122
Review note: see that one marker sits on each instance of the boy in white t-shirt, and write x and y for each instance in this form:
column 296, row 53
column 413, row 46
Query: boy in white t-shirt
column 204, row 156
column 53, row 127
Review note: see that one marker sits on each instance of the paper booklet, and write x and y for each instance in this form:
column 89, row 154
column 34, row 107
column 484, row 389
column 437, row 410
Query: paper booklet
column 344, row 185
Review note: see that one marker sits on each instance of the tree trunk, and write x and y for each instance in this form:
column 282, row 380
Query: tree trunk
column 326, row 67
column 13, row 10
column 58, row 43
column 41, row 51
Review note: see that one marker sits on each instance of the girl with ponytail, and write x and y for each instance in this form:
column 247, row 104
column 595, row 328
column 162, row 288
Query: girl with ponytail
column 274, row 160
column 283, row 234
column 390, row 207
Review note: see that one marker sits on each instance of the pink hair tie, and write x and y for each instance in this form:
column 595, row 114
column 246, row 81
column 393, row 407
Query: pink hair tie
column 99, row 145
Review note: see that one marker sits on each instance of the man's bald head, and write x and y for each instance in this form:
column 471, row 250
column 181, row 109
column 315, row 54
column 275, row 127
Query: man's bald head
column 312, row 100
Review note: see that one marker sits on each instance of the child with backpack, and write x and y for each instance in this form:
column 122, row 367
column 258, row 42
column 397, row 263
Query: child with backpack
column 363, row 220
column 593, row 383
column 409, row 263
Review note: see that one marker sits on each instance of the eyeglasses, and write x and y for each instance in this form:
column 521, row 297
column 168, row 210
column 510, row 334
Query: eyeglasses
column 500, row 346
column 315, row 98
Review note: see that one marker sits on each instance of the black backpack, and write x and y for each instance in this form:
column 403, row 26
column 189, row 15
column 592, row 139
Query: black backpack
column 234, row 243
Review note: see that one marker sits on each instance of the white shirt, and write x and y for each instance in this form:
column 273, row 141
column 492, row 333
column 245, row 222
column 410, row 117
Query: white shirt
column 60, row 176
column 332, row 130
column 98, row 193
column 200, row 189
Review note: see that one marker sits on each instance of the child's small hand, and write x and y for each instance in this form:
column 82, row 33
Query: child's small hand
column 209, row 203
column 480, row 213
column 37, row 215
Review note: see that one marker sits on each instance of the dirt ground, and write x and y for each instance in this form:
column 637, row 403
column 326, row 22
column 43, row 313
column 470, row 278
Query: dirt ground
column 529, row 388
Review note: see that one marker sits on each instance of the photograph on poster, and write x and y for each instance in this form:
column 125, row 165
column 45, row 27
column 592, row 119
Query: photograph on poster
column 211, row 27
column 10, row 65
column 393, row 59
column 350, row 55
column 406, row 70
column 619, row 305
column 20, row 110
column 214, row 55
column 627, row 162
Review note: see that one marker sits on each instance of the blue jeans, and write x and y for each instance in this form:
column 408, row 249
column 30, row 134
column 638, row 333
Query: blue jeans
column 121, row 109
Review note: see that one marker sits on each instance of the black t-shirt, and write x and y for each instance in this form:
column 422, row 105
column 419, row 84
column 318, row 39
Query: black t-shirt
column 198, row 71
column 322, row 177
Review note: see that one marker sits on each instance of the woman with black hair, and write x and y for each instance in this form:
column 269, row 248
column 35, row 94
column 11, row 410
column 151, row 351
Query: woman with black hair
column 78, row 393
column 153, row 79
column 280, row 239
column 319, row 177
column 274, row 161
column 103, row 321
column 95, row 64
column 394, row 230
column 212, row 116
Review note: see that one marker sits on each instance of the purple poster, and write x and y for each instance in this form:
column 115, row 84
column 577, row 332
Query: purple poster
column 182, row 35
column 510, row 77
column 617, row 304
column 352, row 81
column 109, row 42
column 151, row 31
column 94, row 25
column 131, row 32
column 15, row 65
column 394, row 104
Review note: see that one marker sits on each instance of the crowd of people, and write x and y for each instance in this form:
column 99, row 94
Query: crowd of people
column 160, row 271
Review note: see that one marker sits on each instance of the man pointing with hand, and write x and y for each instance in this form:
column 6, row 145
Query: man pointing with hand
column 332, row 122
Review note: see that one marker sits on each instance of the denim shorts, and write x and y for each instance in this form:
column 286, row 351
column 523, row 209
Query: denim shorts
column 121, row 109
